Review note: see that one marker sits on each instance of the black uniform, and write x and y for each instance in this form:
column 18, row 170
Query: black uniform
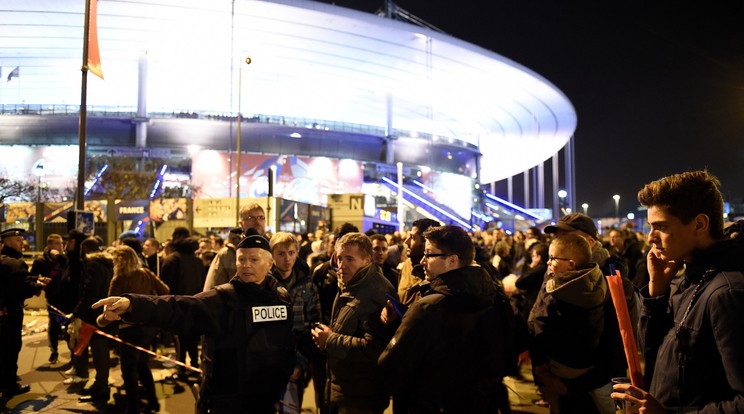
column 16, row 284
column 248, row 344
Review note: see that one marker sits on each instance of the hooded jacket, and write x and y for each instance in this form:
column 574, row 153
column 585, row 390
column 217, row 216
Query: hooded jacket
column 438, row 358
column 567, row 320
column 697, row 334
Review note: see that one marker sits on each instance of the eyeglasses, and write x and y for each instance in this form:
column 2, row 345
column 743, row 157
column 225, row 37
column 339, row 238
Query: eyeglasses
column 551, row 258
column 427, row 256
column 251, row 219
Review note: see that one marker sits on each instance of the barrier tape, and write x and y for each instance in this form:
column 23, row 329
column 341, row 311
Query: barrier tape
column 139, row 348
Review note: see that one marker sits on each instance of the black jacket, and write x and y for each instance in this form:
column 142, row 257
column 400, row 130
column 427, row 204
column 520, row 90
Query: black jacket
column 98, row 270
column 182, row 271
column 439, row 359
column 699, row 354
column 245, row 362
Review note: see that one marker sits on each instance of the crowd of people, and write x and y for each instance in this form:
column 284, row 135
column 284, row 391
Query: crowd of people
column 433, row 318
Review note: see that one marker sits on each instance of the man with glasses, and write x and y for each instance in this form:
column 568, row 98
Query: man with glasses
column 223, row 267
column 450, row 352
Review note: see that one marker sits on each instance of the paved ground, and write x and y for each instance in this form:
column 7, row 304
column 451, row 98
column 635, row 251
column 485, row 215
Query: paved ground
column 49, row 395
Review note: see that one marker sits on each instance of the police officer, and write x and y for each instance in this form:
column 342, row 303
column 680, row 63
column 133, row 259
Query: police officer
column 16, row 284
column 248, row 344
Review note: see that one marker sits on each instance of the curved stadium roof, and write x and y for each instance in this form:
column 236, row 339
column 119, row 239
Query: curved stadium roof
column 309, row 60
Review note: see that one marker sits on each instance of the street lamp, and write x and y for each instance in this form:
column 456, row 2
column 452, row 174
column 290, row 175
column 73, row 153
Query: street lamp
column 585, row 206
column 240, row 96
column 562, row 204
column 616, row 197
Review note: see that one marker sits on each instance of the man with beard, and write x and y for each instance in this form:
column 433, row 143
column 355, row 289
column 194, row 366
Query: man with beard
column 412, row 273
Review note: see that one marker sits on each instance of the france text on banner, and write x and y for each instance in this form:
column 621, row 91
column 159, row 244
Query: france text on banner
column 94, row 57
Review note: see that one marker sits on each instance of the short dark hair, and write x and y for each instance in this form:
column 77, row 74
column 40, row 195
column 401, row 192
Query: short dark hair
column 685, row 196
column 344, row 229
column 452, row 240
column 424, row 224
column 134, row 243
column 378, row 237
column 180, row 233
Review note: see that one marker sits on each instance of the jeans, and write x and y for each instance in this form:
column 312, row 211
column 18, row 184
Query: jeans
column 134, row 365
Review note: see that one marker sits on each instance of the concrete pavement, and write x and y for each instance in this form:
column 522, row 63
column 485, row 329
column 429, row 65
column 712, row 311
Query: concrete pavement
column 49, row 395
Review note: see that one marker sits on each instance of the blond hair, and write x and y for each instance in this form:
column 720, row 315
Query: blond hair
column 125, row 260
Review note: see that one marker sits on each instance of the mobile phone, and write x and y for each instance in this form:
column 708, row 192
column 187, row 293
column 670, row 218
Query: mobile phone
column 399, row 308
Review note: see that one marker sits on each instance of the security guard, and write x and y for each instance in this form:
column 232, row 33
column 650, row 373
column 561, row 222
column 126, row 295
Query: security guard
column 16, row 284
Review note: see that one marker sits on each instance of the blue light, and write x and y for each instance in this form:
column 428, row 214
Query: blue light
column 458, row 220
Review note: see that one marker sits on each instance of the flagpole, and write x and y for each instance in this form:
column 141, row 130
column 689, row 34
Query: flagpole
column 82, row 148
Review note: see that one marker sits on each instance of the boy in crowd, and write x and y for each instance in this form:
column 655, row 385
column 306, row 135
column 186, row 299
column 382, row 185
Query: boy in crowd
column 566, row 322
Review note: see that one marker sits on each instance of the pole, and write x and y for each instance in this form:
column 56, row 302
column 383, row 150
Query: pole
column 237, row 174
column 82, row 128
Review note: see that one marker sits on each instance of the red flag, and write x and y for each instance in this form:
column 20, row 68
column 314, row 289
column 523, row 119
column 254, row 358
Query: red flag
column 94, row 56
column 615, row 283
column 15, row 73
column 83, row 338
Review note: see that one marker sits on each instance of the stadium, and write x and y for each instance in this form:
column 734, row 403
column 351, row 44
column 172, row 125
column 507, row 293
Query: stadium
column 332, row 101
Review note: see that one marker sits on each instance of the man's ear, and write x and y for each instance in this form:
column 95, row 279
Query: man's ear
column 702, row 223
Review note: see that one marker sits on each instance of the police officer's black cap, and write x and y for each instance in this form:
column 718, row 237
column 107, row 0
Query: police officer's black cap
column 12, row 232
column 253, row 240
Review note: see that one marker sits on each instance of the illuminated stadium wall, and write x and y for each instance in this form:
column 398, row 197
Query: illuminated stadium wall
column 324, row 81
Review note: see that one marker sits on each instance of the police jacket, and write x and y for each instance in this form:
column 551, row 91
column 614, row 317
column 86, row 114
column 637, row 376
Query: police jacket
column 248, row 345
column 700, row 352
column 357, row 340
column 440, row 358
column 16, row 284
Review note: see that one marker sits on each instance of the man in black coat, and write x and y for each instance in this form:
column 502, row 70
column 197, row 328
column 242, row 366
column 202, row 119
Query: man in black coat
column 450, row 353
column 16, row 285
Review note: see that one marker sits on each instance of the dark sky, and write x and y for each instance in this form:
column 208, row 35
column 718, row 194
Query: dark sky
column 658, row 86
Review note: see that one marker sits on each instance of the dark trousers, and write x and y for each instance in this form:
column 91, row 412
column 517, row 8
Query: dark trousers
column 99, row 349
column 188, row 345
column 134, row 365
column 55, row 329
column 319, row 382
column 11, row 341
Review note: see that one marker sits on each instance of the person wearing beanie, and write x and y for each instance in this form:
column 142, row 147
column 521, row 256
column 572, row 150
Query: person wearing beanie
column 248, row 348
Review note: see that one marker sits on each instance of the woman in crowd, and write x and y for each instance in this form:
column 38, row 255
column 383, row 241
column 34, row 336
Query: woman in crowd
column 131, row 277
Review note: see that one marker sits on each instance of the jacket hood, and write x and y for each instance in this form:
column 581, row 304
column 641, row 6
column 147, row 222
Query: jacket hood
column 187, row 245
column 470, row 287
column 101, row 257
column 725, row 255
column 585, row 288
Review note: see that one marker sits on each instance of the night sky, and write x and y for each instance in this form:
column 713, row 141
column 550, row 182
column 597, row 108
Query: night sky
column 658, row 86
